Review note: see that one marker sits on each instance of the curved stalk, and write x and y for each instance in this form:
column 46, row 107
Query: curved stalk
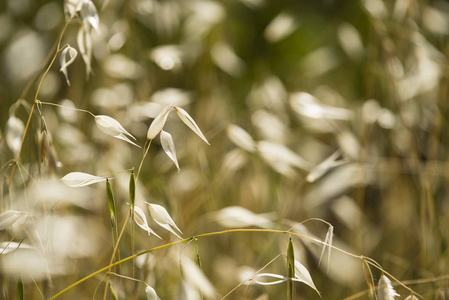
column 58, row 48
column 216, row 233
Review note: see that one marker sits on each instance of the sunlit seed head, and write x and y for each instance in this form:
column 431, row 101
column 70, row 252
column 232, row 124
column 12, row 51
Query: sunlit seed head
column 14, row 132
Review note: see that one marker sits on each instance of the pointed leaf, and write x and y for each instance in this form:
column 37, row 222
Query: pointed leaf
column 162, row 218
column 187, row 119
column 84, row 40
column 198, row 261
column 158, row 123
column 169, row 147
column 227, row 60
column 307, row 105
column 291, row 270
column 111, row 203
column 241, row 138
column 7, row 247
column 112, row 127
column 113, row 294
column 195, row 277
column 280, row 27
column 20, row 288
column 14, row 133
column 71, row 7
column 79, row 179
column 151, row 293
column 323, row 167
column 132, row 191
column 263, row 278
column 281, row 158
column 327, row 240
column 9, row 217
column 303, row 275
column 89, row 15
column 238, row 217
column 141, row 220
column 369, row 278
column 65, row 63
column 290, row 259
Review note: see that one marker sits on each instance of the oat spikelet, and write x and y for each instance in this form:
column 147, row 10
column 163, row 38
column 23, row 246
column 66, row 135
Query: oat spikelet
column 385, row 289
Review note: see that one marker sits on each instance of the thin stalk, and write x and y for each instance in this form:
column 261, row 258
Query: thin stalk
column 66, row 107
column 126, row 277
column 107, row 268
column 370, row 261
column 409, row 282
column 216, row 233
column 36, row 75
column 35, row 98
column 132, row 200
column 143, row 158
column 111, row 264
column 124, row 225
column 257, row 272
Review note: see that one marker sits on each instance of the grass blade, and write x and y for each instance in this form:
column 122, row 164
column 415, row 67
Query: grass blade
column 20, row 288
column 113, row 294
column 291, row 270
column 132, row 192
column 111, row 203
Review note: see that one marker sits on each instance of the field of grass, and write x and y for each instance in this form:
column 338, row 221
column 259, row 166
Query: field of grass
column 207, row 149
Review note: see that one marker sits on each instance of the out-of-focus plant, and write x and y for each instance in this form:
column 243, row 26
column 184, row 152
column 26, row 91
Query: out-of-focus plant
column 315, row 110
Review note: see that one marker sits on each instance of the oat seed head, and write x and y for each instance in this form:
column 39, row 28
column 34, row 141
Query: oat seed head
column 385, row 290
column 188, row 120
column 162, row 218
column 72, row 53
column 169, row 147
column 80, row 179
column 158, row 123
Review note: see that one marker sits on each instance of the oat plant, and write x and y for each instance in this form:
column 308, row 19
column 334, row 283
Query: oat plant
column 319, row 171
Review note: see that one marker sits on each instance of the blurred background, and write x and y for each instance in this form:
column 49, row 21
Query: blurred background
column 313, row 109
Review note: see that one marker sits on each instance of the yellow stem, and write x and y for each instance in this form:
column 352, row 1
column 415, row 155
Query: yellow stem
column 215, row 234
column 111, row 264
column 35, row 99
column 143, row 158
column 124, row 226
